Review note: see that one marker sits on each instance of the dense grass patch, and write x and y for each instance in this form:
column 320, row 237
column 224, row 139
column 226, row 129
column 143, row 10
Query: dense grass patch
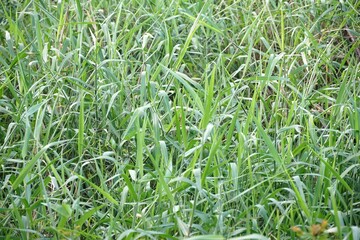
column 171, row 119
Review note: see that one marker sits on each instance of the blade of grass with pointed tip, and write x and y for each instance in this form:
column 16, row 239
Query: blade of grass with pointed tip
column 100, row 190
column 87, row 215
column 188, row 87
column 31, row 163
column 209, row 93
column 193, row 29
column 333, row 171
column 81, row 125
column 278, row 160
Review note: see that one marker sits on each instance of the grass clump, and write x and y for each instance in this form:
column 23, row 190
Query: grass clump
column 179, row 119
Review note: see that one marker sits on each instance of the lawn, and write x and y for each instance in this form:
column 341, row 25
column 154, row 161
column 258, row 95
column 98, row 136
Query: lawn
column 180, row 119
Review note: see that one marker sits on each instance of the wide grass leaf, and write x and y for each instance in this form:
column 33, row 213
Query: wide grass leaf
column 28, row 166
column 100, row 190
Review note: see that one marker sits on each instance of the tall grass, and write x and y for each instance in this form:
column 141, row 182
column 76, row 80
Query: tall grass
column 179, row 119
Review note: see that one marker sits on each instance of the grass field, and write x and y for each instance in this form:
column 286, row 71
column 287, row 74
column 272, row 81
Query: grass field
column 180, row 119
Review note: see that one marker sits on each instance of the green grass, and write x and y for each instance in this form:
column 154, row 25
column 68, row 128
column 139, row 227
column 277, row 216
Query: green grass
column 179, row 119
